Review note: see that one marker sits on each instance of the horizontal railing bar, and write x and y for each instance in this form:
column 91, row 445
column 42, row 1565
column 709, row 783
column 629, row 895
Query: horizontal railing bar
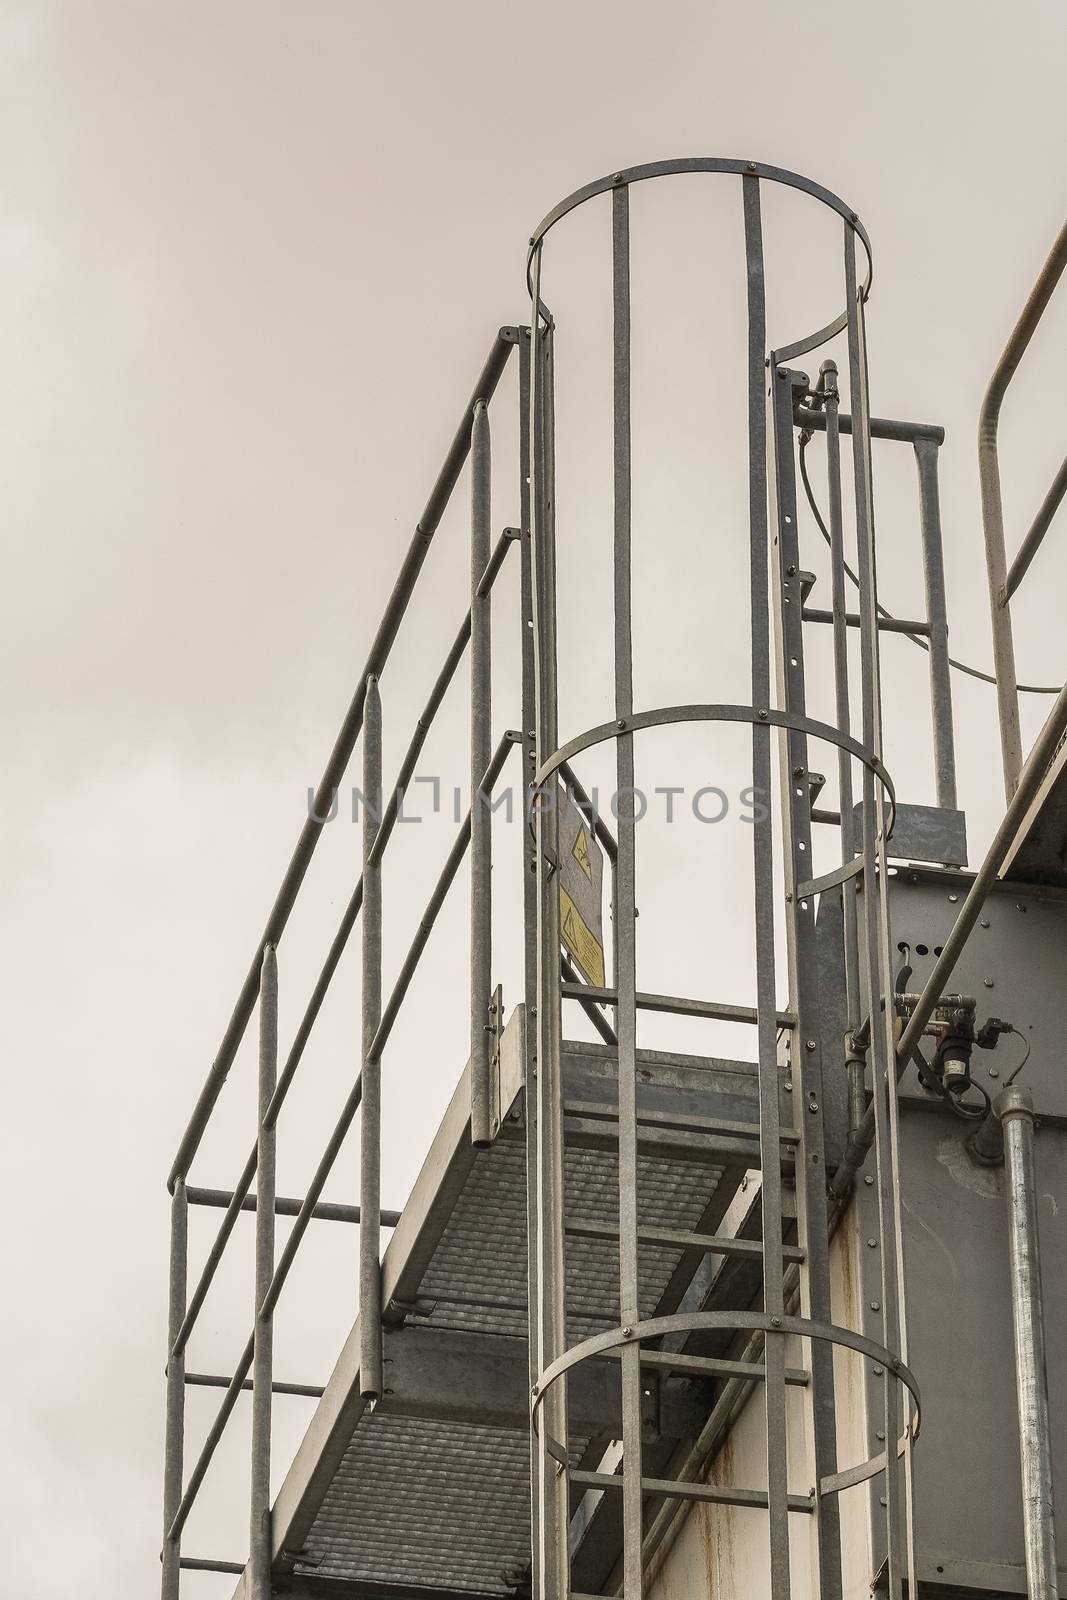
column 674, row 1489
column 341, row 753
column 1037, row 531
column 880, row 427
column 202, row 1564
column 337, row 947
column 329, row 1156
column 325, row 1211
column 717, row 1010
column 717, row 1366
column 573, row 981
column 677, row 1239
column 818, row 814
column 853, row 620
column 668, row 1120
column 213, row 1380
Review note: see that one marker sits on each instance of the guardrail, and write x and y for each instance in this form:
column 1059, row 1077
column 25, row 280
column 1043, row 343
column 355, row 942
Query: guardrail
column 254, row 1369
column 1003, row 582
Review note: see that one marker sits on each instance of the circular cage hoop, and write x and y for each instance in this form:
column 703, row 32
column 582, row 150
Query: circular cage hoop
column 740, row 1321
column 715, row 165
column 668, row 716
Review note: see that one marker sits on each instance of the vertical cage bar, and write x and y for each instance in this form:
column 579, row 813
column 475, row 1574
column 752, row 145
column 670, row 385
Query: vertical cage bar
column 763, row 893
column 802, row 957
column 926, row 459
column 370, row 1111
column 552, row 1569
column 843, row 712
column 481, row 753
column 174, row 1449
column 263, row 1346
column 625, row 924
column 875, row 933
column 529, row 889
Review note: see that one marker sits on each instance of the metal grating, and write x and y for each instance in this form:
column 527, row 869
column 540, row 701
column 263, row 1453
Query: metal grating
column 477, row 1277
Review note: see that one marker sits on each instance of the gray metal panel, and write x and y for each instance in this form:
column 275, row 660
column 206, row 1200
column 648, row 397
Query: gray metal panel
column 969, row 1505
column 924, row 833
column 1015, row 964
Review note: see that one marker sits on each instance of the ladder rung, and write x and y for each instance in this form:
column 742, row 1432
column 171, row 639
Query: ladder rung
column 671, row 1122
column 718, row 1366
column 677, row 1489
column 716, row 1010
column 719, row 1244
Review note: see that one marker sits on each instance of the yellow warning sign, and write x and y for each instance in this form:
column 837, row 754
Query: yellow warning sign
column 580, row 940
column 581, row 852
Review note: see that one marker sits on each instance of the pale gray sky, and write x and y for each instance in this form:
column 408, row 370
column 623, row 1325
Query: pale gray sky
column 251, row 256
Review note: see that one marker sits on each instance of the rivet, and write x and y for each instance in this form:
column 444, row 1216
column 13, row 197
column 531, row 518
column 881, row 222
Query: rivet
column 776, row 1322
column 994, row 1073
column 762, row 715
column 750, row 166
column 627, row 1333
column 879, row 1372
column 876, row 1305
column 868, row 1180
column 952, row 899
column 617, row 178
column 988, row 982
column 809, row 1044
column 621, row 722
column 984, row 922
column 872, row 1244
column 882, row 1501
column 880, row 1436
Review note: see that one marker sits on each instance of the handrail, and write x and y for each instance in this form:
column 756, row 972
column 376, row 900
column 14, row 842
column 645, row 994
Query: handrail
column 344, row 1122
column 391, row 812
column 345, row 743
column 1002, row 585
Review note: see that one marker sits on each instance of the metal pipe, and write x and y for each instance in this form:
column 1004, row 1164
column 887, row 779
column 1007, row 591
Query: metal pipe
column 1037, row 531
column 851, row 620
column 937, row 618
column 175, row 1430
column 879, row 427
column 480, row 751
column 370, row 1114
column 284, row 1206
column 1015, row 1108
column 993, row 508
column 1036, row 766
column 345, row 743
column 259, row 1542
column 215, row 1380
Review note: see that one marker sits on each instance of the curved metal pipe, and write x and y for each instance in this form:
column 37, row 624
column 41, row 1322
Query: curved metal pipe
column 993, row 509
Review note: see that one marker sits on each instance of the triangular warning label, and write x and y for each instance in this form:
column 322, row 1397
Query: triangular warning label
column 570, row 932
column 581, row 852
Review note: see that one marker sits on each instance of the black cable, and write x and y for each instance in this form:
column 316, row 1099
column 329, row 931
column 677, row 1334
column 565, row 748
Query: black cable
column 1024, row 1060
column 960, row 666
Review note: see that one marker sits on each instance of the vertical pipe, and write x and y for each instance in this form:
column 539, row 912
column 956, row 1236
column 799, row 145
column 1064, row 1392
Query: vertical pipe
column 263, row 1352
column 625, row 925
column 552, row 1566
column 802, row 959
column 936, row 615
column 1015, row 1108
column 175, row 1434
column 763, row 899
column 481, row 751
column 370, row 1115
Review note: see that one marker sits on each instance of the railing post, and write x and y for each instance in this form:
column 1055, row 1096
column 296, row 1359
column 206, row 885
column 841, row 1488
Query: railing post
column 175, row 1435
column 263, row 1352
column 936, row 616
column 370, row 1116
column 481, row 815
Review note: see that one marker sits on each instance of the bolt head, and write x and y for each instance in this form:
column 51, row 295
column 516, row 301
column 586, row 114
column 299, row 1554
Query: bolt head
column 627, row 1333
column 872, row 1244
column 868, row 1180
column 809, row 1044
column 876, row 1305
column 776, row 1322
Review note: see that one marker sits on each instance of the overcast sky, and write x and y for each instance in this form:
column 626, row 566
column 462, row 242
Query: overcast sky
column 251, row 257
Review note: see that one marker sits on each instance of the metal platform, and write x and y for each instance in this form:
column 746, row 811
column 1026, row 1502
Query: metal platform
column 446, row 1450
